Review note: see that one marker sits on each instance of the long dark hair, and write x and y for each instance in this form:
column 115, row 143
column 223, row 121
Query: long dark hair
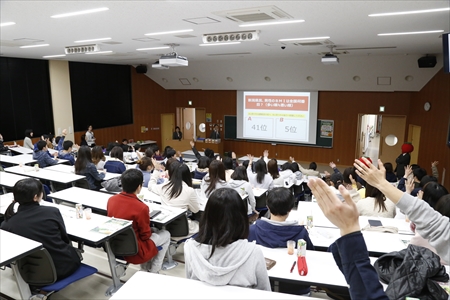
column 240, row 173
column 97, row 155
column 380, row 198
column 24, row 191
column 272, row 168
column 84, row 157
column 260, row 170
column 432, row 192
column 216, row 173
column 224, row 220
column 178, row 173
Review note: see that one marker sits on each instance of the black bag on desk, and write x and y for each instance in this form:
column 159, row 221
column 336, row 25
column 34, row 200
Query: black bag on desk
column 113, row 185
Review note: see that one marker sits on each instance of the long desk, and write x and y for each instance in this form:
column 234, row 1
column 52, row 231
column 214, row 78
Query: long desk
column 71, row 170
column 322, row 269
column 22, row 159
column 12, row 248
column 52, row 176
column 8, row 180
column 21, row 150
column 137, row 288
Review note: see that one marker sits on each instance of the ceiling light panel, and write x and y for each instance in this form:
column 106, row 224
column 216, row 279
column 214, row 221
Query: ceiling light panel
column 81, row 12
column 35, row 46
column 169, row 32
column 305, row 39
column 411, row 12
column 272, row 23
column 411, row 32
column 7, row 24
column 93, row 40
column 153, row 48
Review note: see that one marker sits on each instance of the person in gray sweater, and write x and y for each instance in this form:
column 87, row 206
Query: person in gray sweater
column 430, row 224
column 221, row 254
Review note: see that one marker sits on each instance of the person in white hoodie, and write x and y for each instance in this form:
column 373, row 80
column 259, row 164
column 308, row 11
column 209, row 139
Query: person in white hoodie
column 239, row 183
column 215, row 179
column 221, row 254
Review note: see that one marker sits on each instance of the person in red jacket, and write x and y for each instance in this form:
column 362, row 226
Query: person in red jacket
column 127, row 205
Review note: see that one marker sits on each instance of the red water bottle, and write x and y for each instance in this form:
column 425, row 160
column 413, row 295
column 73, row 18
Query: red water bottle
column 301, row 259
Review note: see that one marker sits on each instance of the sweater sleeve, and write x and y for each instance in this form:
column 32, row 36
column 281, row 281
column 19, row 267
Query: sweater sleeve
column 197, row 154
column 28, row 144
column 143, row 224
column 430, row 224
column 49, row 160
column 91, row 169
column 152, row 184
column 193, row 201
column 251, row 196
column 401, row 184
column 60, row 143
column 262, row 278
column 62, row 227
column 352, row 258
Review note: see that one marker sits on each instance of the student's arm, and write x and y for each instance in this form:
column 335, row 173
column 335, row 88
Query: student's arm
column 349, row 251
column 61, row 226
column 49, row 160
column 251, row 196
column 61, row 141
column 91, row 169
column 197, row 154
column 430, row 224
column 143, row 224
column 262, row 278
column 434, row 170
column 153, row 183
column 122, row 168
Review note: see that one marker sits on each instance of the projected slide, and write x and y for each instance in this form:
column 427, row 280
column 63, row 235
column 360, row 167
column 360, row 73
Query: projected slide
column 278, row 116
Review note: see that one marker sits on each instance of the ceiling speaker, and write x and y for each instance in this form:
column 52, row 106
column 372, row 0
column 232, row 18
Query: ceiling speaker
column 427, row 62
column 141, row 69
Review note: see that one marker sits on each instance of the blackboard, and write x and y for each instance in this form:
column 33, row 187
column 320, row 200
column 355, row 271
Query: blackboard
column 324, row 142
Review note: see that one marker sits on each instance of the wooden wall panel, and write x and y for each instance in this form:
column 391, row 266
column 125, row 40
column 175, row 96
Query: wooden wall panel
column 434, row 123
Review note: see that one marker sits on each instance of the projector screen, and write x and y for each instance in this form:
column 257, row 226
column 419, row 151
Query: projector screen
column 279, row 117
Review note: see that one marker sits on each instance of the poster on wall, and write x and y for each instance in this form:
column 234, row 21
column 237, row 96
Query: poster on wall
column 326, row 128
column 208, row 117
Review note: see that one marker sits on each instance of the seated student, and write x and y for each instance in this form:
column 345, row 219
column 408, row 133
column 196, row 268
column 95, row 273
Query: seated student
column 287, row 173
column 44, row 137
column 312, row 171
column 98, row 157
column 208, row 152
column 272, row 168
column 125, row 147
column 350, row 250
column 259, row 179
column 136, row 151
column 115, row 164
column 42, row 156
column 83, row 140
column 177, row 191
column 110, row 146
column 239, row 183
column 66, row 153
column 228, row 164
column 221, row 254
column 337, row 179
column 3, row 148
column 145, row 165
column 215, row 179
column 84, row 166
column 202, row 168
column 27, row 143
column 375, row 205
column 156, row 153
column 127, row 205
column 276, row 231
column 44, row 224
column 390, row 175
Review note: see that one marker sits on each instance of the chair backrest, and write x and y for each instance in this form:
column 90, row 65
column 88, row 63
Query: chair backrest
column 82, row 183
column 125, row 243
column 261, row 201
column 37, row 268
column 178, row 227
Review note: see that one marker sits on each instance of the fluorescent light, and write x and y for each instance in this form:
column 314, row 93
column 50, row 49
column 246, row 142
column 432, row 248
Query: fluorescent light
column 57, row 55
column 169, row 32
column 220, row 44
column 305, row 39
column 410, row 12
column 99, row 52
column 93, row 40
column 81, row 12
column 411, row 32
column 272, row 23
column 154, row 48
column 7, row 24
column 34, row 46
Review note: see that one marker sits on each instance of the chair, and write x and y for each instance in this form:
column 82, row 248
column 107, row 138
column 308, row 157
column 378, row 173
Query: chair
column 38, row 269
column 261, row 204
column 179, row 233
column 82, row 183
column 123, row 244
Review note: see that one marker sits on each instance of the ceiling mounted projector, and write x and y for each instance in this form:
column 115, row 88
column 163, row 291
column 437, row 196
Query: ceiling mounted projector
column 330, row 59
column 227, row 37
column 173, row 60
column 159, row 66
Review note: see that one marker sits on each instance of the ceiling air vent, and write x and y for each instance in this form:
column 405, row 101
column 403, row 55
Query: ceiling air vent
column 255, row 14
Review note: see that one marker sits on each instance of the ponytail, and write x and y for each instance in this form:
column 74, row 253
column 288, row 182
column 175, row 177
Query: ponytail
column 24, row 192
column 11, row 210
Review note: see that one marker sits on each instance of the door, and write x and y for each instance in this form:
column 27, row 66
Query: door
column 414, row 139
column 189, row 123
column 167, row 129
column 200, row 117
column 392, row 137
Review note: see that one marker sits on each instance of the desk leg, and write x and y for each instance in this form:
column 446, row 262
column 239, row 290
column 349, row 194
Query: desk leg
column 24, row 288
column 114, row 268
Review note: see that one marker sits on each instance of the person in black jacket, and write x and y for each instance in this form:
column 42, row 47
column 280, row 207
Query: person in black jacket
column 177, row 134
column 215, row 134
column 43, row 224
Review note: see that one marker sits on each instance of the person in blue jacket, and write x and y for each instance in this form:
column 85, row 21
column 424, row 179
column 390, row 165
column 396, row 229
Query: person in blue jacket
column 41, row 155
column 349, row 251
column 276, row 231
